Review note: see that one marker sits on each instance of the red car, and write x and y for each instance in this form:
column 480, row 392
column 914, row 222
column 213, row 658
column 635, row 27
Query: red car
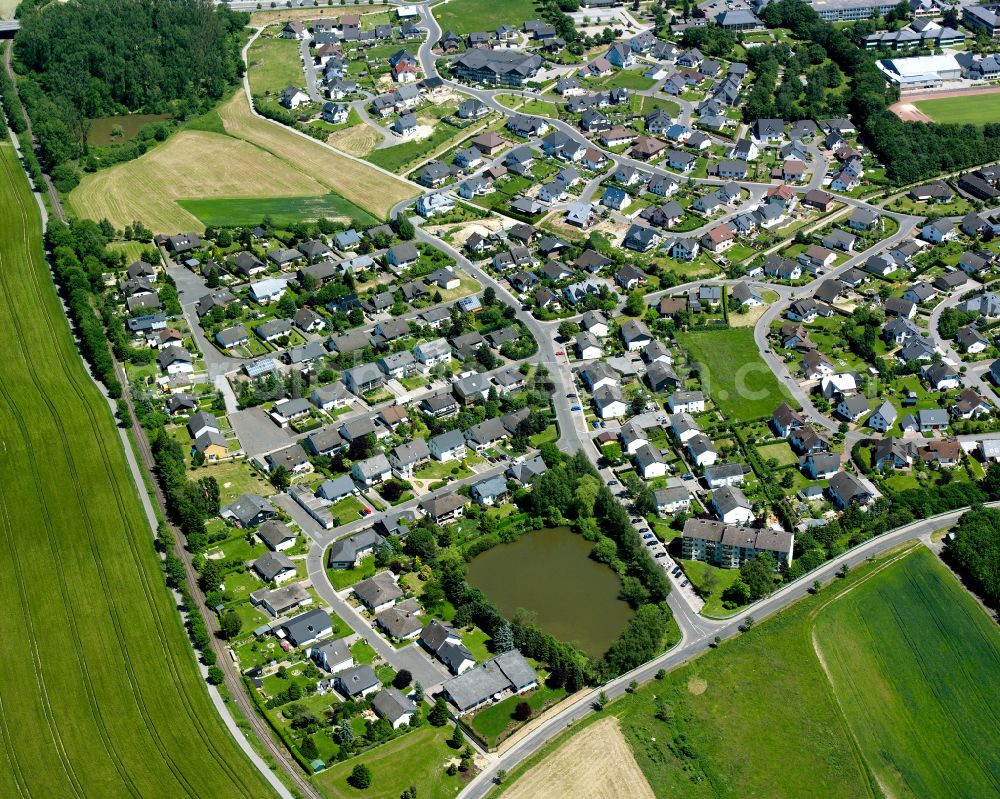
column 560, row 353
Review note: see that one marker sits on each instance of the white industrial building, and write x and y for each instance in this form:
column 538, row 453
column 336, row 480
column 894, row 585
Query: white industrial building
column 919, row 72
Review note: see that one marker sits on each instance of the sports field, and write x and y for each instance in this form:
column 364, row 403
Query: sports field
column 100, row 694
column 970, row 109
column 282, row 210
column 466, row 16
column 733, row 372
column 915, row 666
column 256, row 159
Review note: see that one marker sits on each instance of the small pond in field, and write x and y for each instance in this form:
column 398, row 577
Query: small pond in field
column 102, row 129
column 550, row 573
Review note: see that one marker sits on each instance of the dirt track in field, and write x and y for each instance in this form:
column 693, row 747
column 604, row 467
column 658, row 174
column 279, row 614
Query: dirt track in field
column 908, row 112
column 594, row 764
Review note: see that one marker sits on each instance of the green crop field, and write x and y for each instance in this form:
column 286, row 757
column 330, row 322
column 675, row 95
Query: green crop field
column 734, row 373
column 972, row 109
column 100, row 694
column 466, row 16
column 282, row 210
column 915, row 665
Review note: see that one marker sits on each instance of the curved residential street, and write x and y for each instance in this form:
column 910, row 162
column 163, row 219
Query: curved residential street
column 697, row 631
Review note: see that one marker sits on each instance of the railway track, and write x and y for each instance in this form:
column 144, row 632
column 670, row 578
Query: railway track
column 233, row 679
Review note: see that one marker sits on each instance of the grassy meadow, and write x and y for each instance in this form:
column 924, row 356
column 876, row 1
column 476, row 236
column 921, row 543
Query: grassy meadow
column 903, row 704
column 101, row 694
column 273, row 64
column 466, row 16
column 417, row 758
column 915, row 666
column 283, row 210
column 735, row 375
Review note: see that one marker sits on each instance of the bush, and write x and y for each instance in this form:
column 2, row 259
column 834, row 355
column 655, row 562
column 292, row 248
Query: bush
column 215, row 675
column 523, row 711
column 361, row 777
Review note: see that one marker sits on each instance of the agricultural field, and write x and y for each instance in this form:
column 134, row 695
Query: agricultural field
column 927, row 713
column 972, row 109
column 188, row 164
column 596, row 764
column 734, row 374
column 909, row 667
column 374, row 191
column 273, row 64
column 466, row 16
column 101, row 696
column 255, row 159
column 282, row 210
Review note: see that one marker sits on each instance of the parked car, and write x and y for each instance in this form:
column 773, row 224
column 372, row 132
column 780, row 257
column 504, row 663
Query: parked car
column 576, row 408
column 660, row 555
column 647, row 535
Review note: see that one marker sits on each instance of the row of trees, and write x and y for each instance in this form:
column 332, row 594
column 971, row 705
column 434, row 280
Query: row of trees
column 189, row 503
column 77, row 252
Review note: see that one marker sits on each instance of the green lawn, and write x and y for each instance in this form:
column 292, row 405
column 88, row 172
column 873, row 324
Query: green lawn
column 778, row 450
column 346, row 510
column 466, row 16
column 273, row 65
column 925, row 712
column 342, row 578
column 540, row 108
column 398, row 157
column 497, row 722
column 418, row 758
column 711, row 582
column 973, row 109
column 282, row 210
column 235, row 478
column 100, row 696
column 733, row 373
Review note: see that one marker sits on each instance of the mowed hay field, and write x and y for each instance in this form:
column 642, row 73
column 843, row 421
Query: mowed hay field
column 100, row 695
column 274, row 64
column 595, row 764
column 190, row 164
column 373, row 190
column 915, row 666
column 257, row 159
column 971, row 109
